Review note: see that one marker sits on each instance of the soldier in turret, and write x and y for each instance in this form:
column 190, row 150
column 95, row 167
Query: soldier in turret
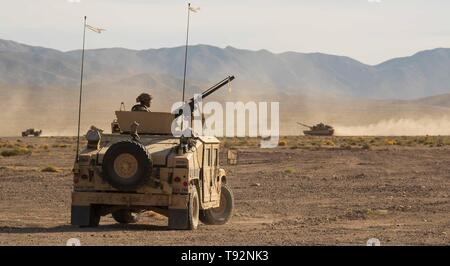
column 144, row 100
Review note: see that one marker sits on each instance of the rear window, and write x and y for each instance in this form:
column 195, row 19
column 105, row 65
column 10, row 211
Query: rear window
column 208, row 157
column 216, row 157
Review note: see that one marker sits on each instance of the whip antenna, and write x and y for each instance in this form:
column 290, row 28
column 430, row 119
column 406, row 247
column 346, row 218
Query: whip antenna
column 81, row 90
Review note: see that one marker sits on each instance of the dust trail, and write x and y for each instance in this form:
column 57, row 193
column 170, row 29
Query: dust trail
column 399, row 127
column 62, row 133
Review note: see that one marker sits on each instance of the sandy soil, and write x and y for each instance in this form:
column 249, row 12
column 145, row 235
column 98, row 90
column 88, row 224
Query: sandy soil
column 283, row 197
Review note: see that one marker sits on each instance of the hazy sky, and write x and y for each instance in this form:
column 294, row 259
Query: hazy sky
column 368, row 30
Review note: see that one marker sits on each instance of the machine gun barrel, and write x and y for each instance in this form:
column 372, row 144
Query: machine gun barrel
column 207, row 93
column 212, row 90
column 304, row 125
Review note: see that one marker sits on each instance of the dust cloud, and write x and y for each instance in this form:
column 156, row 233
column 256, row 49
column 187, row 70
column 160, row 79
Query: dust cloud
column 55, row 111
column 399, row 127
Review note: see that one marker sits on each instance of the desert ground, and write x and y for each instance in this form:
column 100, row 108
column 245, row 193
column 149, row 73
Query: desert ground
column 308, row 191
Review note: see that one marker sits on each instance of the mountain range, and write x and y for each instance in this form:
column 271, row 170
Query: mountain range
column 421, row 75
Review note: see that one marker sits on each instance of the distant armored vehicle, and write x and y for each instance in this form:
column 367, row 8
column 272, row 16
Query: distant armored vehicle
column 141, row 167
column 318, row 130
column 31, row 132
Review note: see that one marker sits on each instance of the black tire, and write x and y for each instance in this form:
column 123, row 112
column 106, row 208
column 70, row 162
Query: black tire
column 133, row 169
column 223, row 213
column 193, row 208
column 125, row 216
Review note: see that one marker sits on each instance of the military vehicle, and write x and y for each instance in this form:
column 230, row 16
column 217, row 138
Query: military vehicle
column 31, row 132
column 142, row 167
column 318, row 130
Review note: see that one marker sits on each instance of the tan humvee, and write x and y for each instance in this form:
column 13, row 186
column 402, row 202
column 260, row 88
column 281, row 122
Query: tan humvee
column 141, row 167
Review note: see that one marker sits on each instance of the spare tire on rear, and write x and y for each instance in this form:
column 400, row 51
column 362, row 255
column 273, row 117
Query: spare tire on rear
column 127, row 165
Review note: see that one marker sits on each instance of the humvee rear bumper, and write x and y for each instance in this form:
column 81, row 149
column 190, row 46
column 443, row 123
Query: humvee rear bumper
column 128, row 199
column 84, row 206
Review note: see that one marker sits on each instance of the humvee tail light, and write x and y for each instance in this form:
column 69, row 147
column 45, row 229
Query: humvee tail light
column 185, row 183
column 177, row 179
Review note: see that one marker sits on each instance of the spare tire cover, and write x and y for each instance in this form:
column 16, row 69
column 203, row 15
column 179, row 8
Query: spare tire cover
column 127, row 165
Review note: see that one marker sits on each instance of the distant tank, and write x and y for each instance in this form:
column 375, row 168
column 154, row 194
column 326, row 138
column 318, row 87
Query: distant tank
column 318, row 130
column 31, row 132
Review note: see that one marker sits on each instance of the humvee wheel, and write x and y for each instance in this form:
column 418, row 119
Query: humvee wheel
column 193, row 208
column 94, row 221
column 125, row 216
column 186, row 219
column 222, row 214
column 127, row 165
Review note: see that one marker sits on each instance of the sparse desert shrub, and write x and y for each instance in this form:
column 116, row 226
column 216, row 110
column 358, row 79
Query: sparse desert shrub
column 282, row 143
column 50, row 169
column 289, row 171
column 430, row 142
column 328, row 143
column 446, row 141
column 59, row 145
column 15, row 152
column 410, row 143
column 44, row 147
column 356, row 214
column 391, row 142
column 365, row 146
column 346, row 146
